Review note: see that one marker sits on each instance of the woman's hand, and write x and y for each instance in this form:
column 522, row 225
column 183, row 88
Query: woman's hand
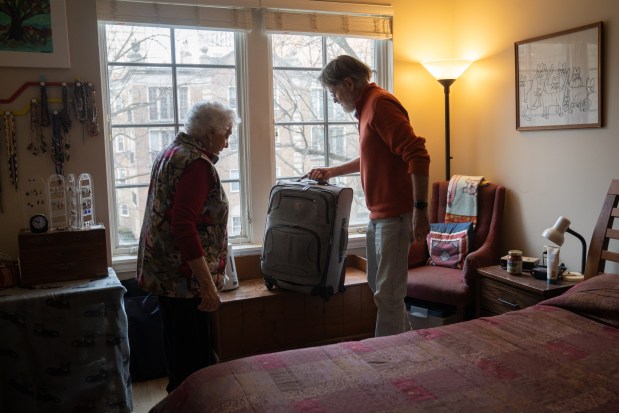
column 210, row 300
column 208, row 292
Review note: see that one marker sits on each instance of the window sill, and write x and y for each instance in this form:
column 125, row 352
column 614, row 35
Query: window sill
column 124, row 265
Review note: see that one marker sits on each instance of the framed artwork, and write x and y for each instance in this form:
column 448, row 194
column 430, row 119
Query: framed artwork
column 34, row 34
column 559, row 80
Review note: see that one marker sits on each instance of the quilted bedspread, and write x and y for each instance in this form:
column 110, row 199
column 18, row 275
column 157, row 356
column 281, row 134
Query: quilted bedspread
column 559, row 356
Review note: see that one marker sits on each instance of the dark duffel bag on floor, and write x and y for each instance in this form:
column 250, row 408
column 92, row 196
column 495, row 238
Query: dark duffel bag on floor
column 147, row 356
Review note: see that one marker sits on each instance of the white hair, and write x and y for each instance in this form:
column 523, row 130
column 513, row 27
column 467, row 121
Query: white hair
column 208, row 116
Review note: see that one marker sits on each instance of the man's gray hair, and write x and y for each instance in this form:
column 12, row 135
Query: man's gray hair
column 343, row 67
column 209, row 116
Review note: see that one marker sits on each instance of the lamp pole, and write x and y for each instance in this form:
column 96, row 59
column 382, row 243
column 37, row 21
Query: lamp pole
column 584, row 247
column 446, row 71
column 446, row 84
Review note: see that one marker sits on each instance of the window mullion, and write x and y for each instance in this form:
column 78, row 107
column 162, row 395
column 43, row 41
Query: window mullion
column 175, row 101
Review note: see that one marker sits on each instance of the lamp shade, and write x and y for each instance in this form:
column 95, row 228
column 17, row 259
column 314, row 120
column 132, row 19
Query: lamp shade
column 557, row 231
column 446, row 68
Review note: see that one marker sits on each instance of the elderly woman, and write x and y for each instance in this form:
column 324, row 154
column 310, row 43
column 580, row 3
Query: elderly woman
column 183, row 244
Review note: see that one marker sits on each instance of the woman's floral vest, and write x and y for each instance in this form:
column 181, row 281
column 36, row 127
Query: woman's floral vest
column 161, row 271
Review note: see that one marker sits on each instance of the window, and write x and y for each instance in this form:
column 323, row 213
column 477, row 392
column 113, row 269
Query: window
column 121, row 175
column 157, row 140
column 160, row 103
column 236, row 225
column 232, row 97
column 120, row 144
column 157, row 70
column 144, row 63
column 234, row 180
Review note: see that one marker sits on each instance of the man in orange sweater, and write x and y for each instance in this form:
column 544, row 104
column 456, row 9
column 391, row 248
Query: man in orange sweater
column 394, row 165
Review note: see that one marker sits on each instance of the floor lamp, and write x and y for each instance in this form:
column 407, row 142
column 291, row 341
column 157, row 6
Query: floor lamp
column 446, row 72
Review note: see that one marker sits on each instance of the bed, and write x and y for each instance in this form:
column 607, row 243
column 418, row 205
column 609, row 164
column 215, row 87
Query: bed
column 561, row 355
column 558, row 356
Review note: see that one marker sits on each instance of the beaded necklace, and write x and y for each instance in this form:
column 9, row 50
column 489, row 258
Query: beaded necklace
column 36, row 137
column 79, row 102
column 11, row 149
column 57, row 143
column 45, row 118
column 65, row 120
column 91, row 110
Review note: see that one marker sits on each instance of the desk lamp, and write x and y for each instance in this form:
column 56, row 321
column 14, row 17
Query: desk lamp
column 556, row 234
column 446, row 72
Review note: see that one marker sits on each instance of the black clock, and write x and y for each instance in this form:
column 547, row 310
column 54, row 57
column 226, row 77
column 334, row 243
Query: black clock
column 39, row 224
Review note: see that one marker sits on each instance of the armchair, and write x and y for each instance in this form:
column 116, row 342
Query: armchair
column 453, row 286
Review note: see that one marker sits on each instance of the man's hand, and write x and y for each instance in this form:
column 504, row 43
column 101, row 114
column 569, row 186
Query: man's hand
column 320, row 174
column 421, row 225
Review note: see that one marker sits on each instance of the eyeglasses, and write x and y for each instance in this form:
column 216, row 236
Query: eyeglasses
column 332, row 93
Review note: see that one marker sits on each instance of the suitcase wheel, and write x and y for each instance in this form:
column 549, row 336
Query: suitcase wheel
column 269, row 285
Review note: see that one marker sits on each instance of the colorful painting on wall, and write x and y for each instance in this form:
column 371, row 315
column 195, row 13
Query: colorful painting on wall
column 26, row 26
column 33, row 33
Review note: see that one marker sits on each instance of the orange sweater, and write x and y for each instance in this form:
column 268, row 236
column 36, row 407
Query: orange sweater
column 389, row 153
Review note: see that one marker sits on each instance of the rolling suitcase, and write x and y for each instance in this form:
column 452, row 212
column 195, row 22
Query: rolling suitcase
column 306, row 237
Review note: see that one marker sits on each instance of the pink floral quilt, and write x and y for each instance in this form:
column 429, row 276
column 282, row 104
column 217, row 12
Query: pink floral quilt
column 559, row 356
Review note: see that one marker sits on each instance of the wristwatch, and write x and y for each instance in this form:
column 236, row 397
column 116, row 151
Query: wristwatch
column 421, row 204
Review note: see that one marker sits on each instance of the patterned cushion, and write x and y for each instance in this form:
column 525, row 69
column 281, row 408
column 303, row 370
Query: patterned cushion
column 449, row 243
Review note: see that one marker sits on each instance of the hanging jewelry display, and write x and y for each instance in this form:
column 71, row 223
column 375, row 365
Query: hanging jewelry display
column 74, row 210
column 45, row 118
column 57, row 143
column 37, row 144
column 91, row 110
column 87, row 201
column 66, row 121
column 34, row 198
column 56, row 199
column 11, row 148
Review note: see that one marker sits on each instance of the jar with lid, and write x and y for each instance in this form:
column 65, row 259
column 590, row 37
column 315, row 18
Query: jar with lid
column 514, row 262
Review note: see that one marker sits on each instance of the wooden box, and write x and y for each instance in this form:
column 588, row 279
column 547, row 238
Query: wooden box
column 62, row 255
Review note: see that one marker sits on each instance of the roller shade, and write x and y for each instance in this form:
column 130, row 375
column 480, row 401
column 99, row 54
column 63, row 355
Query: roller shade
column 369, row 7
column 179, row 12
column 328, row 23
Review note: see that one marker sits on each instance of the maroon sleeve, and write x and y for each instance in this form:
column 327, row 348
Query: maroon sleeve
column 192, row 190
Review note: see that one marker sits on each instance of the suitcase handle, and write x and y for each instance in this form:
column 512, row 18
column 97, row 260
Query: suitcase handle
column 305, row 178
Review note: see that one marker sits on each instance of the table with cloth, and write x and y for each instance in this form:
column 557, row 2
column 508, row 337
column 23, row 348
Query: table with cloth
column 64, row 347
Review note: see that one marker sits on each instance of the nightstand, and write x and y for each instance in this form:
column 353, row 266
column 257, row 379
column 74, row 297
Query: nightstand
column 499, row 292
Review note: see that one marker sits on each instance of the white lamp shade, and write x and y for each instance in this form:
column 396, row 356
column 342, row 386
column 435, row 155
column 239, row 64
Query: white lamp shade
column 557, row 231
column 446, row 68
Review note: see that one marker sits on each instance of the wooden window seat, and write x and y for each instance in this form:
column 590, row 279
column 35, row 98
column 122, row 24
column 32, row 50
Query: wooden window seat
column 254, row 320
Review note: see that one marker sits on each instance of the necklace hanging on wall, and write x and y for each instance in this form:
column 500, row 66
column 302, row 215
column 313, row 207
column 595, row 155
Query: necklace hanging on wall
column 79, row 104
column 65, row 120
column 37, row 144
column 57, row 143
column 45, row 118
column 91, row 110
column 11, row 149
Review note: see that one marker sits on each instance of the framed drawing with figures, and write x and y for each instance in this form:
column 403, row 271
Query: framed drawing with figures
column 559, row 80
